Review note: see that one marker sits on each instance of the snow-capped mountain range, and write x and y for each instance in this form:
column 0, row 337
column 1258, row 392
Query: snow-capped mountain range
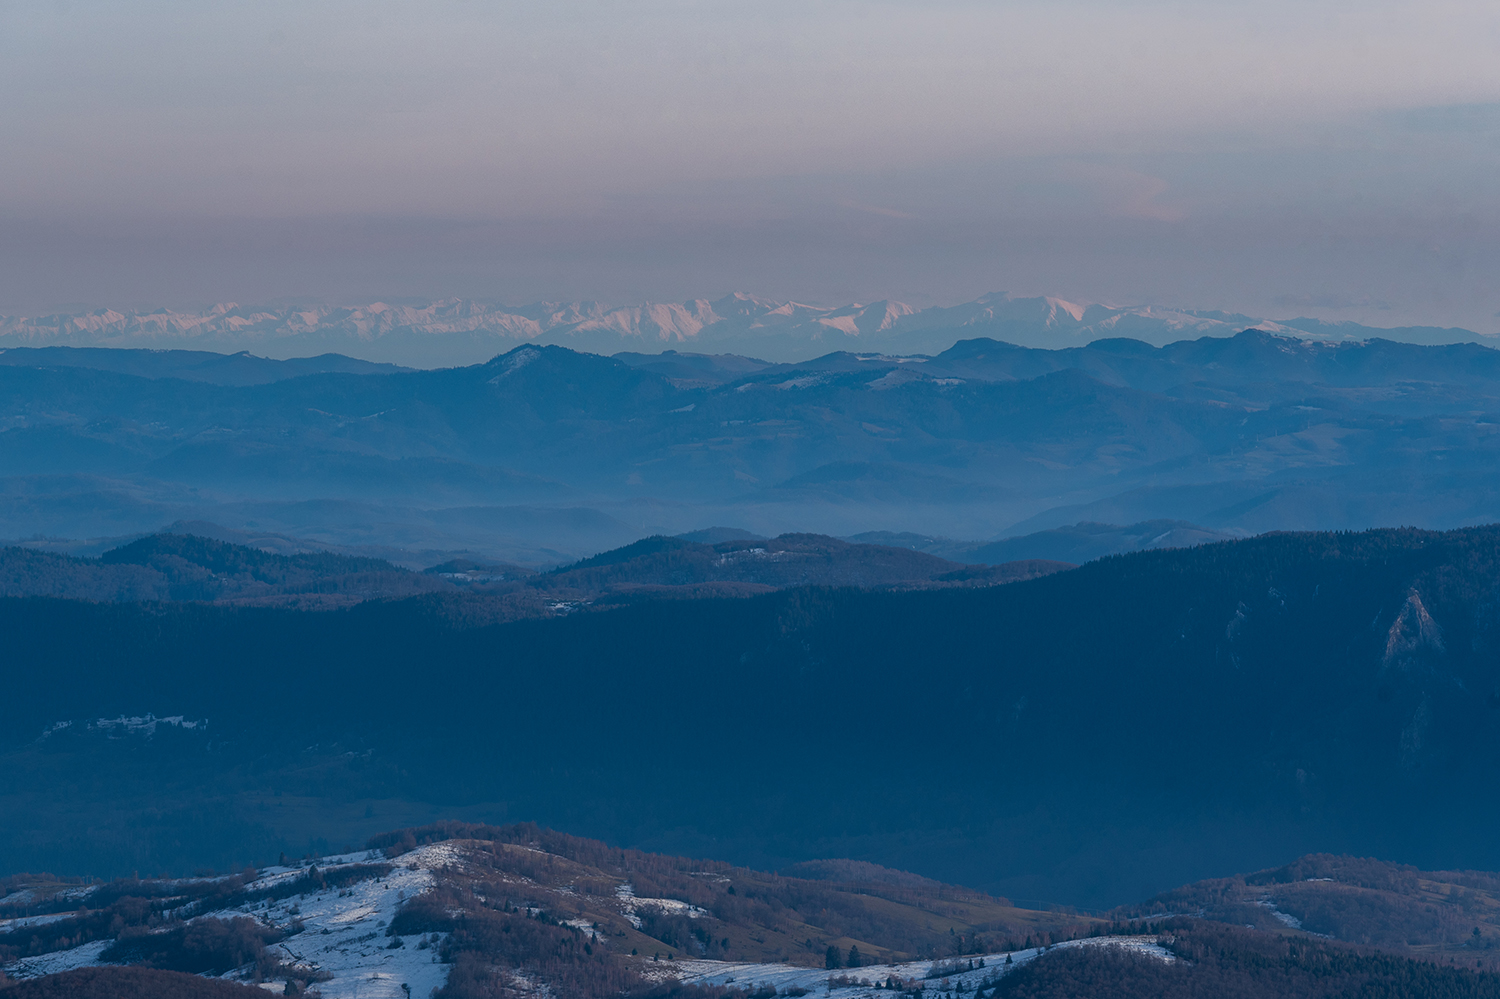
column 461, row 331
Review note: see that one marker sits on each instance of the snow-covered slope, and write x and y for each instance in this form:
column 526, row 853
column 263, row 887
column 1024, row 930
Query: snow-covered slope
column 874, row 981
column 339, row 938
column 519, row 907
column 337, row 934
column 458, row 331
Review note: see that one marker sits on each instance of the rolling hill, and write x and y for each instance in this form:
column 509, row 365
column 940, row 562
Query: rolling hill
column 182, row 567
column 463, row 906
column 186, row 567
column 1398, row 908
column 463, row 911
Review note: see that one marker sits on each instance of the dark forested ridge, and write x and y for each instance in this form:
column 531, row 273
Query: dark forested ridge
column 183, row 567
column 789, row 560
column 242, row 368
column 1224, row 962
column 127, row 983
column 1205, row 710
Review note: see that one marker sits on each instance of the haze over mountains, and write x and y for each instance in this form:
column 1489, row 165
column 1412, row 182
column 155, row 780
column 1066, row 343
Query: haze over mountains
column 545, row 455
column 544, row 501
column 455, row 331
column 393, row 609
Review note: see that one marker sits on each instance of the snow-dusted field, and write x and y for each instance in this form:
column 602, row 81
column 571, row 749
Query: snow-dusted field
column 9, row 925
column 58, row 960
column 862, row 981
column 629, row 903
column 343, row 930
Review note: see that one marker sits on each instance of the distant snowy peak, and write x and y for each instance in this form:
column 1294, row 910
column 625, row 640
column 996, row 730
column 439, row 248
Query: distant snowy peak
column 855, row 320
column 462, row 331
column 668, row 322
column 587, row 324
column 1049, row 311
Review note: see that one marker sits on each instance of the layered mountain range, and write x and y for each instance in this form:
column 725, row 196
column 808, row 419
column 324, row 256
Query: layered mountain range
column 457, row 331
column 544, row 455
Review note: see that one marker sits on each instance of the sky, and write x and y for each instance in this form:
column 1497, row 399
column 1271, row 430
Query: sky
column 1311, row 158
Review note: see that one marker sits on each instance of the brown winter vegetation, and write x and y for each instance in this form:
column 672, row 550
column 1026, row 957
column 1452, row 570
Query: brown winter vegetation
column 1395, row 907
column 533, row 901
column 1223, row 962
column 127, row 983
column 158, row 923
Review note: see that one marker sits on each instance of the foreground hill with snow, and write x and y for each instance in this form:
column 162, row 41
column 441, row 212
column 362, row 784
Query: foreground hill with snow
column 473, row 912
column 572, row 915
column 320, row 924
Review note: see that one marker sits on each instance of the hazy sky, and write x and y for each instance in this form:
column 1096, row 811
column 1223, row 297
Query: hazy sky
column 1337, row 159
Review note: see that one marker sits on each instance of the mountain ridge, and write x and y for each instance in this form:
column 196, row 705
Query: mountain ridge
column 449, row 332
column 183, row 567
column 1245, row 434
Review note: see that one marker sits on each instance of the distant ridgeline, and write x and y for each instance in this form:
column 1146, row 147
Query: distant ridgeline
column 455, row 910
column 1090, row 736
column 185, row 567
column 459, row 331
column 544, row 455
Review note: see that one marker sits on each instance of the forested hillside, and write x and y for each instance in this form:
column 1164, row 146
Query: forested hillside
column 1219, row 708
column 1360, row 900
column 184, row 567
column 181, row 567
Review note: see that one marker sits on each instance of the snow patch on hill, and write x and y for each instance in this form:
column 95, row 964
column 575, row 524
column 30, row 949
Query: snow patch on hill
column 343, row 930
column 630, row 905
column 84, row 956
column 868, row 982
